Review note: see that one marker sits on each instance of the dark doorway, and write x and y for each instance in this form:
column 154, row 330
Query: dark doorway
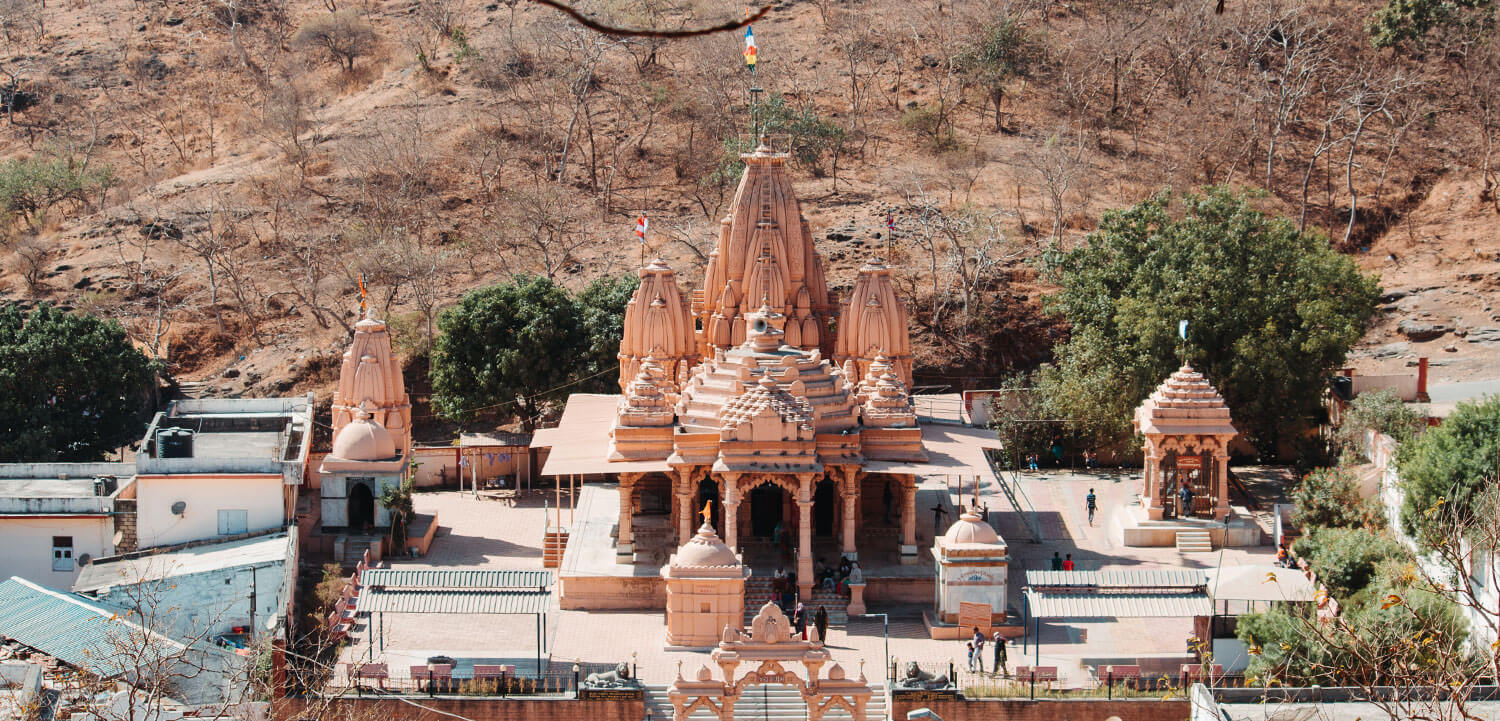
column 765, row 511
column 708, row 493
column 825, row 502
column 361, row 506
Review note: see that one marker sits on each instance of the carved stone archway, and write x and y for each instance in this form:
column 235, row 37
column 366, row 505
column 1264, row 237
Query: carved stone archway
column 774, row 651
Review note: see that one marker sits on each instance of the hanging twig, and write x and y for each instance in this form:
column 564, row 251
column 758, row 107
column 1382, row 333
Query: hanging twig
column 592, row 24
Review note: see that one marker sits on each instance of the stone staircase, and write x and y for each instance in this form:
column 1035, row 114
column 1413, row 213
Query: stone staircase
column 1194, row 542
column 758, row 591
column 553, row 545
column 772, row 702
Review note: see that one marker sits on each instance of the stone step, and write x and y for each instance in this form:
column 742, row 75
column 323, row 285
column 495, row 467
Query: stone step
column 1194, row 542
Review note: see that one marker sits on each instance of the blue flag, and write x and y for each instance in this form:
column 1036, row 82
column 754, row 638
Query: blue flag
column 1182, row 329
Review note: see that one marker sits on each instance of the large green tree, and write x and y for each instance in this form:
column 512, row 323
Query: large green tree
column 602, row 307
column 1270, row 311
column 519, row 345
column 1449, row 465
column 72, row 387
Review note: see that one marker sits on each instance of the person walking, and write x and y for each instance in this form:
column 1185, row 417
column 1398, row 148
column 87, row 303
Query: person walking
column 820, row 619
column 1186, row 494
column 1000, row 660
column 937, row 519
column 970, row 646
column 1057, row 562
column 978, row 651
column 799, row 620
column 1092, row 502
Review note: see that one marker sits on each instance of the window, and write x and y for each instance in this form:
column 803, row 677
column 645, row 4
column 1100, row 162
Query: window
column 233, row 522
column 62, row 553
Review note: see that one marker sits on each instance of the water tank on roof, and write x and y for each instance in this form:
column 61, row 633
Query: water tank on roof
column 174, row 443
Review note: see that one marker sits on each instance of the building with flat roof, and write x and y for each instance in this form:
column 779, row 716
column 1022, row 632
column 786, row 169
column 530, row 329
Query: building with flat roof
column 204, row 590
column 221, row 467
column 56, row 517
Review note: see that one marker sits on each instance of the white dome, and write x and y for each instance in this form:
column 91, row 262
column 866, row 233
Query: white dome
column 704, row 550
column 364, row 440
column 969, row 528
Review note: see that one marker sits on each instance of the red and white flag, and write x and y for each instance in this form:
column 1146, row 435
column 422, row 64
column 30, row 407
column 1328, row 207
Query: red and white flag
column 641, row 224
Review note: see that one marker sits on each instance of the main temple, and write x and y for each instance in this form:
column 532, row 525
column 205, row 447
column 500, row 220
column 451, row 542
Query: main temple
column 758, row 397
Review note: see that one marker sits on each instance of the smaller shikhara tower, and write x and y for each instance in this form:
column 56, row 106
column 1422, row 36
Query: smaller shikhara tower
column 744, row 391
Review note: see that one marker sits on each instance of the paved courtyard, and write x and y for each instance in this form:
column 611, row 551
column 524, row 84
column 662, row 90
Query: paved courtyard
column 478, row 533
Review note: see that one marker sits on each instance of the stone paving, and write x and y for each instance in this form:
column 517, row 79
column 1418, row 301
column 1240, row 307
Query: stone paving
column 490, row 534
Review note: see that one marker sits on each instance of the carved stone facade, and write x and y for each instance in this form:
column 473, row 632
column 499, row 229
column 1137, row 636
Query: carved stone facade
column 370, row 378
column 771, row 651
column 371, row 432
column 705, row 590
column 1187, row 430
column 757, row 405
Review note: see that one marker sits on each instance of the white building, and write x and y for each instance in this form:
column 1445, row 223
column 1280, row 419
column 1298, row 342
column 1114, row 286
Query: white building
column 216, row 468
column 54, row 517
column 201, row 591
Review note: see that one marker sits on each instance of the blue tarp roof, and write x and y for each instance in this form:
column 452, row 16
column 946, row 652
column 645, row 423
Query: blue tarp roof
column 80, row 632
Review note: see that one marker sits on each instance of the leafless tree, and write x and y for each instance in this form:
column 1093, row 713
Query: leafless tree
column 343, row 35
column 1058, row 165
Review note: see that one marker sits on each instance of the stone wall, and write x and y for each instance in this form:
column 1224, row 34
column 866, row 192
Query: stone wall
column 474, row 708
column 1049, row 709
column 125, row 525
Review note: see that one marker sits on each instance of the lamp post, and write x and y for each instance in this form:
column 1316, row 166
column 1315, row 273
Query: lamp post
column 886, row 619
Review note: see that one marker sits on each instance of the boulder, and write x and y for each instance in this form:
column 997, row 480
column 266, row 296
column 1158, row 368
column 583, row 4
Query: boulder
column 1419, row 331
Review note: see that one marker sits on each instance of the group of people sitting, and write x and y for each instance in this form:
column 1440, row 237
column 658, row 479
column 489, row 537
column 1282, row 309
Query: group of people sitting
column 837, row 579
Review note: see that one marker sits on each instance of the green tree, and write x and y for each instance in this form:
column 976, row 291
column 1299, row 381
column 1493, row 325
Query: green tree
column 1329, row 498
column 1003, row 52
column 32, row 186
column 1270, row 311
column 397, row 500
column 602, row 307
column 1381, row 411
column 809, row 138
column 1449, row 465
column 1345, row 558
column 522, row 343
column 1410, row 21
column 72, row 387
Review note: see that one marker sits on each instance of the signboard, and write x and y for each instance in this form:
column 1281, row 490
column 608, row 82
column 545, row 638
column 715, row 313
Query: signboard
column 611, row 694
column 1189, row 463
column 974, row 614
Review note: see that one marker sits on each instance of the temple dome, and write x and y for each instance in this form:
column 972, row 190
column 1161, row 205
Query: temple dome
column 1185, row 404
column 704, row 551
column 364, row 440
column 970, row 528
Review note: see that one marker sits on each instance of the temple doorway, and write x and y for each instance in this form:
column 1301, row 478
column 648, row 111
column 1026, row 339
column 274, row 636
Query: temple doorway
column 361, row 506
column 708, row 493
column 766, row 505
column 825, row 504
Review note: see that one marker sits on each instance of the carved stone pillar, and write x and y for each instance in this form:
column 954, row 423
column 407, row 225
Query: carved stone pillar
column 684, row 517
column 851, row 505
column 625, row 543
column 1221, row 490
column 909, row 521
column 731, row 514
column 805, row 578
column 1152, row 474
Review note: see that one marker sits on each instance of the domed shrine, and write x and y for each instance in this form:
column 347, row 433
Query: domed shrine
column 371, row 432
column 786, row 414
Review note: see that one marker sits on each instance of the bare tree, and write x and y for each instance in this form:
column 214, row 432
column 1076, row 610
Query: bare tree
column 1058, row 166
column 343, row 35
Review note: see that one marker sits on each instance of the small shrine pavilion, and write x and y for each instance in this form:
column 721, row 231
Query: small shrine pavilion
column 1187, row 431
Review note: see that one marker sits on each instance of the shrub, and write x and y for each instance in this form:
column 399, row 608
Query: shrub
column 1381, row 411
column 1329, row 498
column 1345, row 558
column 30, row 187
column 1449, row 465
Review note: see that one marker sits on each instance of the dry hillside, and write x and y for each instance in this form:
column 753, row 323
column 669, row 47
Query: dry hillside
column 253, row 174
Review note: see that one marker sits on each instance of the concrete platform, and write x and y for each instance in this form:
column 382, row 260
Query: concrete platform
column 592, row 576
column 1140, row 530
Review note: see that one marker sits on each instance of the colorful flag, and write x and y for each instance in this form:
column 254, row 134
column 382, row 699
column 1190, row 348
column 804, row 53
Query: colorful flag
column 1182, row 329
column 890, row 222
column 362, row 295
column 641, row 224
column 750, row 46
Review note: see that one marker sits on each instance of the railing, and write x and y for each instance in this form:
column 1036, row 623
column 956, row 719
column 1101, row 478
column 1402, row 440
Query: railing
column 1017, row 497
column 555, row 684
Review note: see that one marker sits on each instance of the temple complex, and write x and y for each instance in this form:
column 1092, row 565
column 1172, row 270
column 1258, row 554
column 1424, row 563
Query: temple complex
column 371, row 432
column 759, row 398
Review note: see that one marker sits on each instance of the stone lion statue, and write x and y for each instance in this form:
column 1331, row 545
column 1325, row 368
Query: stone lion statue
column 915, row 677
column 611, row 679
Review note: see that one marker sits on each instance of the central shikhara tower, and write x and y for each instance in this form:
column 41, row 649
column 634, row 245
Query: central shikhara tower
column 746, row 388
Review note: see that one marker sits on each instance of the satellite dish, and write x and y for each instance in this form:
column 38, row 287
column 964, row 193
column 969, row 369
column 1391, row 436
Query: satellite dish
column 178, row 508
column 84, row 560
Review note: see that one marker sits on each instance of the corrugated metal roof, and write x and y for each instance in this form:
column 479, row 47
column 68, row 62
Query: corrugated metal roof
column 105, row 573
column 473, row 579
column 80, row 632
column 431, row 601
column 1154, row 578
column 1118, row 605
